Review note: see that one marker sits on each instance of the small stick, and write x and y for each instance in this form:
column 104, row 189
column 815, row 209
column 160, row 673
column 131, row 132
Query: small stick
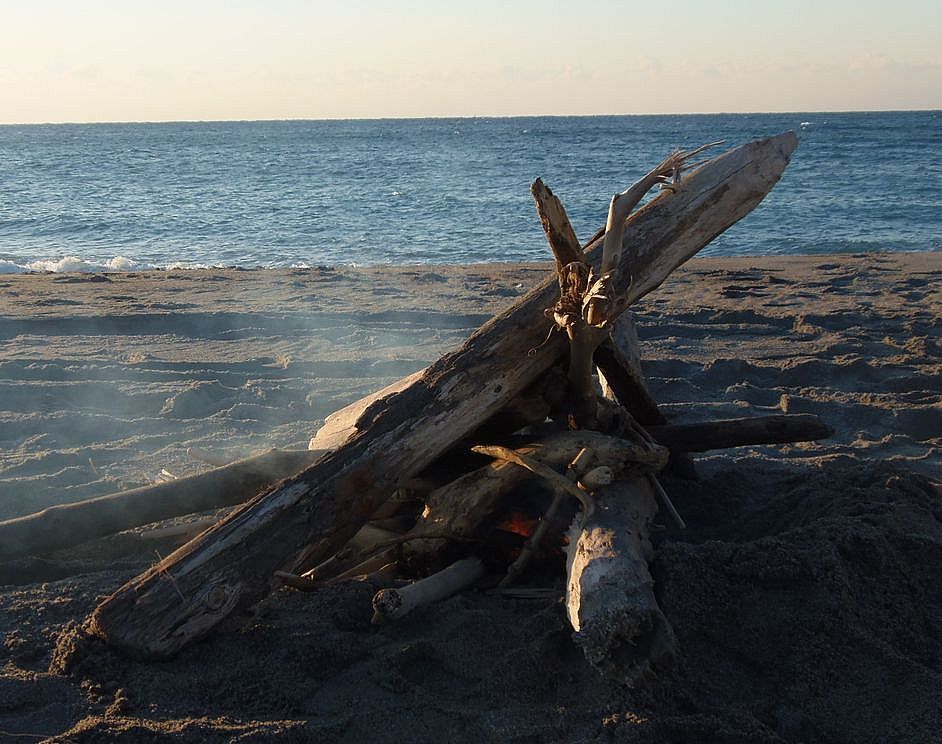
column 666, row 500
column 538, row 468
column 528, row 592
column 580, row 463
column 163, row 571
column 645, row 436
column 366, row 541
column 640, row 431
column 12, row 735
column 383, row 573
column 370, row 565
column 302, row 583
column 393, row 604
column 411, row 536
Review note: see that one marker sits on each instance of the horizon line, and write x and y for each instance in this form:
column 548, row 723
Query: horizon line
column 460, row 117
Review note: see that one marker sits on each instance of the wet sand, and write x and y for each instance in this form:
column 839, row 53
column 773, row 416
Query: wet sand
column 806, row 594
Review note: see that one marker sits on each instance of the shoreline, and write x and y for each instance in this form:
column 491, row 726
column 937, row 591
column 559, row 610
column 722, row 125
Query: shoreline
column 804, row 593
column 120, row 265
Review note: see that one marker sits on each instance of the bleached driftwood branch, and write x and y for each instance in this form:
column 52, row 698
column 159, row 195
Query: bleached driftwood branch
column 609, row 591
column 556, row 225
column 394, row 604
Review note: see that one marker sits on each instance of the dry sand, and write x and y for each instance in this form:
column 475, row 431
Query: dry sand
column 806, row 593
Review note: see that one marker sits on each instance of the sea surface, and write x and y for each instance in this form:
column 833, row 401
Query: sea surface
column 397, row 191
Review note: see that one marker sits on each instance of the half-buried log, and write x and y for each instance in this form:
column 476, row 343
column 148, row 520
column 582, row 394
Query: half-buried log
column 63, row 526
column 741, row 432
column 307, row 518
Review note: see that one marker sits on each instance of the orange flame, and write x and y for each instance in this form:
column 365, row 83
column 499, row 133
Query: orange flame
column 519, row 523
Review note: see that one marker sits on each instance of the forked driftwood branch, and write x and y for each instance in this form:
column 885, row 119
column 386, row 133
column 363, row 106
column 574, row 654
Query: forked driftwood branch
column 590, row 302
column 556, row 481
column 309, row 517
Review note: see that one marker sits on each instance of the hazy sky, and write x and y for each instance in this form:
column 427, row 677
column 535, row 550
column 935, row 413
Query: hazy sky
column 129, row 60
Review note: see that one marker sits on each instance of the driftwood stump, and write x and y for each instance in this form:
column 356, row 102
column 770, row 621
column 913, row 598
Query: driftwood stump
column 609, row 591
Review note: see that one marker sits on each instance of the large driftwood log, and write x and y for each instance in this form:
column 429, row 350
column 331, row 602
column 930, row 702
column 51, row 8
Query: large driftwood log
column 63, row 526
column 609, row 590
column 307, row 518
column 725, row 433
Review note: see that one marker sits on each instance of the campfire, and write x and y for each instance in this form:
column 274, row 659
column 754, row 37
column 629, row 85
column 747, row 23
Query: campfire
column 528, row 461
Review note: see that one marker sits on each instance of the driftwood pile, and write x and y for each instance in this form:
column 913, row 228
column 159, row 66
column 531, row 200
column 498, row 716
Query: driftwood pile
column 537, row 437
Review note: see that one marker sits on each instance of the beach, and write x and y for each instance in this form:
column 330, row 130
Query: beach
column 806, row 592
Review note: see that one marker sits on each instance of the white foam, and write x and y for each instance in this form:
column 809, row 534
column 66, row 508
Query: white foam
column 74, row 264
column 189, row 265
column 62, row 265
column 120, row 263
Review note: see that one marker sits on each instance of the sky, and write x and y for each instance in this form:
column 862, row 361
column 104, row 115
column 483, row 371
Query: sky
column 105, row 60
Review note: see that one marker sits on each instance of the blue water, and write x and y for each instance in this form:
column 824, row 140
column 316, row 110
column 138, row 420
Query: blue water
column 434, row 190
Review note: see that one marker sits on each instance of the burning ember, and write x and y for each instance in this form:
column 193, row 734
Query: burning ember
column 518, row 523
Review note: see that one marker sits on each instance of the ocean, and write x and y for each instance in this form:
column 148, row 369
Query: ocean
column 400, row 191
